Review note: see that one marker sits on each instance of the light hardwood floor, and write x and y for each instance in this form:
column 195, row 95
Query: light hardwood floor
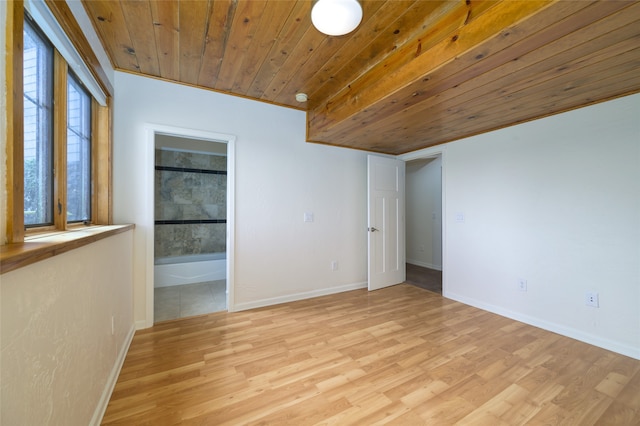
column 400, row 355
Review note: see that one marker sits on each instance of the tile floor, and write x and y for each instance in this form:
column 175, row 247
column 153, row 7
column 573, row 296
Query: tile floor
column 189, row 300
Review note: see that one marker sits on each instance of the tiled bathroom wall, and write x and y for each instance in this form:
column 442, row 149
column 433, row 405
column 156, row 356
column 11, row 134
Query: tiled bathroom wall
column 190, row 188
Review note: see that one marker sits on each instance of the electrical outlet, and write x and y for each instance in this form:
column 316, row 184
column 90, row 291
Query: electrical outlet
column 522, row 284
column 591, row 299
column 334, row 265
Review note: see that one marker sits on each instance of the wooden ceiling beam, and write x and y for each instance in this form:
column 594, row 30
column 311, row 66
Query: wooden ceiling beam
column 397, row 29
column 379, row 84
column 568, row 55
column 359, row 118
column 446, row 123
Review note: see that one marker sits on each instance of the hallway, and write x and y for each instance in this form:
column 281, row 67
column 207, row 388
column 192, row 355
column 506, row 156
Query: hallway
column 428, row 279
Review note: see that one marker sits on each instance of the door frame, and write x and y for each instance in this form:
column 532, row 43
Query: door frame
column 440, row 150
column 152, row 130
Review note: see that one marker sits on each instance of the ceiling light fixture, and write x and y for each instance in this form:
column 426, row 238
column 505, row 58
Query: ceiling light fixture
column 336, row 17
column 301, row 97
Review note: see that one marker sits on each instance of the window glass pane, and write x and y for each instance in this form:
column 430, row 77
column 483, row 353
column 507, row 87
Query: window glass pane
column 38, row 136
column 78, row 152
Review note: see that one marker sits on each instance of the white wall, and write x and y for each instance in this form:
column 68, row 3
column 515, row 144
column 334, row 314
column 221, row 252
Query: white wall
column 555, row 202
column 424, row 212
column 59, row 357
column 279, row 177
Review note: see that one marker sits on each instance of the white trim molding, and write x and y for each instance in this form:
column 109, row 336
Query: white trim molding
column 101, row 408
column 299, row 296
column 627, row 350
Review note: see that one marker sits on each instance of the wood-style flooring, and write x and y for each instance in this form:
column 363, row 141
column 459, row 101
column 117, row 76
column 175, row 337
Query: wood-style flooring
column 400, row 355
column 426, row 278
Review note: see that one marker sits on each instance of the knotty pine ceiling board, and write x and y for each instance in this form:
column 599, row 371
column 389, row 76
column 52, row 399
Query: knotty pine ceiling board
column 414, row 74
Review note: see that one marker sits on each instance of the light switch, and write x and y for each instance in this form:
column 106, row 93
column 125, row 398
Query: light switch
column 459, row 217
column 308, row 216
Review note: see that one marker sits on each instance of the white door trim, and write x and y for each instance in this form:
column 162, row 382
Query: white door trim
column 152, row 130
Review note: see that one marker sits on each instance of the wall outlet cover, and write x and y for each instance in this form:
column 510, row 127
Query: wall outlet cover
column 592, row 299
column 522, row 284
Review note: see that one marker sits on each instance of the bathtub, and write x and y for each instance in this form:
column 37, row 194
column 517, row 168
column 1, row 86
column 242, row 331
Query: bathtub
column 190, row 269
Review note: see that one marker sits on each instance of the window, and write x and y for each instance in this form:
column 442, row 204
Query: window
column 78, row 152
column 38, row 127
column 59, row 141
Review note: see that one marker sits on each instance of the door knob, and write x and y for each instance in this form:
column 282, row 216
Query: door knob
column 372, row 229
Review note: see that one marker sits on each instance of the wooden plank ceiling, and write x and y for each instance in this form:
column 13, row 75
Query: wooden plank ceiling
column 414, row 74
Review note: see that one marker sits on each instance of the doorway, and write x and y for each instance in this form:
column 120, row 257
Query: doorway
column 191, row 191
column 424, row 223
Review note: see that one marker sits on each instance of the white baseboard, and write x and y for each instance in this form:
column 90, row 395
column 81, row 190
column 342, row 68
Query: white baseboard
column 98, row 413
column 591, row 339
column 297, row 296
column 142, row 324
column 424, row 264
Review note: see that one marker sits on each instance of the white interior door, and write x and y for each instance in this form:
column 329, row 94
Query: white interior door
column 386, row 219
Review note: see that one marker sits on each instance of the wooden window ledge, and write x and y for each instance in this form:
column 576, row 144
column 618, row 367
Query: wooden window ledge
column 44, row 246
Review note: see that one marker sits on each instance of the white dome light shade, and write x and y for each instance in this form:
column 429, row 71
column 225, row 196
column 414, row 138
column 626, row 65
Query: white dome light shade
column 336, row 17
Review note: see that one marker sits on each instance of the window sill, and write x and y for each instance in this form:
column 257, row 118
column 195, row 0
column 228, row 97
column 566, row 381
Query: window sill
column 43, row 246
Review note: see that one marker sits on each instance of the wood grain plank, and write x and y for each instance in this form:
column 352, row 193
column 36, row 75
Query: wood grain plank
column 59, row 141
column 111, row 26
column 140, row 23
column 15, row 123
column 293, row 29
column 570, row 90
column 246, row 22
column 166, row 23
column 17, row 255
column 300, row 56
column 102, row 162
column 194, row 16
column 218, row 30
column 271, row 21
column 349, row 369
column 623, row 410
